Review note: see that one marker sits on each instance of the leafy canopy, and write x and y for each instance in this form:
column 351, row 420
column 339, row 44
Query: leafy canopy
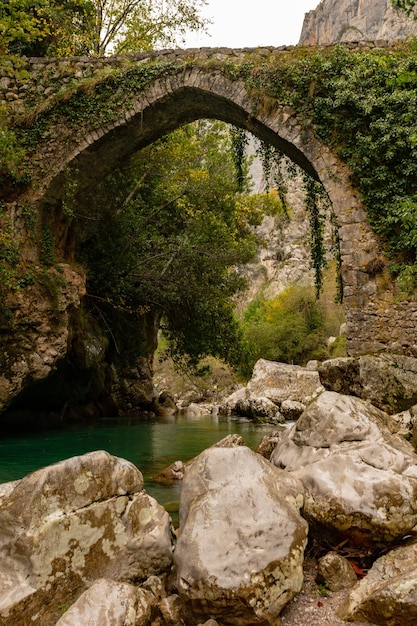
column 167, row 233
column 74, row 27
column 45, row 27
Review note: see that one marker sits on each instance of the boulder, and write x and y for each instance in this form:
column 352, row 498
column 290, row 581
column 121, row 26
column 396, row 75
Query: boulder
column 271, row 385
column 389, row 381
column 335, row 572
column 64, row 526
column 360, row 479
column 194, row 410
column 280, row 381
column 388, row 593
column 255, row 408
column 176, row 471
column 291, row 410
column 241, row 542
column 268, row 443
column 171, row 609
column 108, row 602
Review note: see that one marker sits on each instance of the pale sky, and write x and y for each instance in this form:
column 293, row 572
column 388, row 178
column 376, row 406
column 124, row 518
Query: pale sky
column 238, row 24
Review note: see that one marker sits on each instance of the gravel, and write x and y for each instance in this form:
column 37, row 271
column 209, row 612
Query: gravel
column 311, row 608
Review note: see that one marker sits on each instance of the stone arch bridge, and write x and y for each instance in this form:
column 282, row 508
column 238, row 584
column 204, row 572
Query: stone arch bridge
column 86, row 115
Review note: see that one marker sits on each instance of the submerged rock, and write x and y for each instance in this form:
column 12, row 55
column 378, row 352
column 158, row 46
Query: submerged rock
column 360, row 479
column 64, row 526
column 241, row 543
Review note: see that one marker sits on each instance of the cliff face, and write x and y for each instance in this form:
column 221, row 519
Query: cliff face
column 355, row 20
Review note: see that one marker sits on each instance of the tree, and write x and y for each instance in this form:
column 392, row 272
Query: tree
column 45, row 27
column 406, row 5
column 167, row 233
column 132, row 25
column 72, row 27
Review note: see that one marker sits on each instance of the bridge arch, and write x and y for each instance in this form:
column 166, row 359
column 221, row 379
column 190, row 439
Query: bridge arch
column 197, row 93
column 64, row 138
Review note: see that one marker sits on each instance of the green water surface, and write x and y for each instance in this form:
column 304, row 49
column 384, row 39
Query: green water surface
column 150, row 445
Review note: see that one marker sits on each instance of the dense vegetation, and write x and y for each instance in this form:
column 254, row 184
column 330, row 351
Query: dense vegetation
column 167, row 233
column 362, row 103
column 167, row 237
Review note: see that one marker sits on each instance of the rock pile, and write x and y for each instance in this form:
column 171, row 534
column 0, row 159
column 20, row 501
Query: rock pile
column 83, row 543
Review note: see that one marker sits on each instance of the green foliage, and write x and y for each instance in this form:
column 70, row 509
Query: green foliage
column 11, row 156
column 129, row 25
column 291, row 328
column 166, row 233
column 45, row 27
column 362, row 104
column 314, row 195
column 47, row 246
column 12, row 275
column 74, row 27
column 240, row 141
column 285, row 329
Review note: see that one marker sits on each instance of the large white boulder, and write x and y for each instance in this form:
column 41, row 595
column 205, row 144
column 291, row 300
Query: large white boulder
column 360, row 479
column 66, row 525
column 280, row 381
column 241, row 544
column 272, row 385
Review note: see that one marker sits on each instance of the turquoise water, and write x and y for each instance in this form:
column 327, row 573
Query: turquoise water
column 150, row 445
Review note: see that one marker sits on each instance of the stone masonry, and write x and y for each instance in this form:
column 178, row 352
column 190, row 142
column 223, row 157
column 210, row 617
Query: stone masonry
column 376, row 321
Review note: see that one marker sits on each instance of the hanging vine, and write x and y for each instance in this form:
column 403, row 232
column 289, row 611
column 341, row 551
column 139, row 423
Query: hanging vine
column 337, row 256
column 240, row 141
column 275, row 169
column 313, row 202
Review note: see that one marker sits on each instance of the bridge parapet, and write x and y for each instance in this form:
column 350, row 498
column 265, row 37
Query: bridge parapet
column 25, row 81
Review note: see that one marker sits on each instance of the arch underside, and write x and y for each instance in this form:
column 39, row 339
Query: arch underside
column 163, row 109
column 156, row 120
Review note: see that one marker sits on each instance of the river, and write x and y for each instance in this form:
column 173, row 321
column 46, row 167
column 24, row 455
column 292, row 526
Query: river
column 151, row 445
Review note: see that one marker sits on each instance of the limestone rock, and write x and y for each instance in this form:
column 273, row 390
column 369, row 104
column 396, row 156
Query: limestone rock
column 360, row 479
column 291, row 409
column 255, row 408
column 349, row 20
column 171, row 609
column 176, row 471
column 388, row 594
column 272, row 383
column 268, row 443
column 38, row 333
column 66, row 525
column 241, row 543
column 389, row 381
column 280, row 381
column 194, row 410
column 108, row 602
column 335, row 572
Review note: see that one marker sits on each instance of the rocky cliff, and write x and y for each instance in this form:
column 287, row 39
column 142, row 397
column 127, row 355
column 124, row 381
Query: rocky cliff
column 355, row 20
